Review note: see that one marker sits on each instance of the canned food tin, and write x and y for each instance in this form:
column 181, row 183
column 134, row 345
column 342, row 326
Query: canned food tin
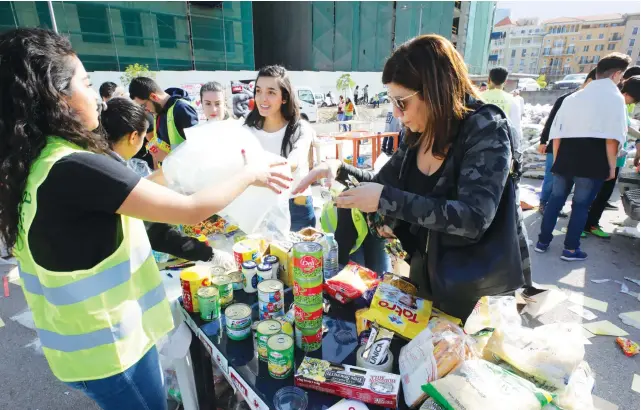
column 208, row 302
column 308, row 296
column 273, row 260
column 264, row 272
column 217, row 271
column 236, row 280
column 309, row 341
column 238, row 319
column 225, row 289
column 286, row 327
column 307, row 263
column 280, row 356
column 255, row 336
column 245, row 250
column 271, row 307
column 271, row 291
column 238, row 335
column 265, row 329
column 308, row 317
column 250, row 280
column 268, row 315
column 190, row 281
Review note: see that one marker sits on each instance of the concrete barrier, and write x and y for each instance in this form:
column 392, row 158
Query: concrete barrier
column 542, row 97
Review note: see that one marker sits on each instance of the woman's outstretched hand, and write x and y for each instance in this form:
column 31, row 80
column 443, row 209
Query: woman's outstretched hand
column 364, row 197
column 327, row 169
column 265, row 177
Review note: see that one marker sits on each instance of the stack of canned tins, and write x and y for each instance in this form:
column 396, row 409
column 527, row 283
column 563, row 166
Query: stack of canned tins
column 308, row 294
column 271, row 299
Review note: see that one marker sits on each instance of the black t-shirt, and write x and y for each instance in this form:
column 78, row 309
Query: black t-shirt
column 582, row 157
column 76, row 225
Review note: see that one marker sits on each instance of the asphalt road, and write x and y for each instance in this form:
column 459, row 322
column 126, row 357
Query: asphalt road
column 26, row 382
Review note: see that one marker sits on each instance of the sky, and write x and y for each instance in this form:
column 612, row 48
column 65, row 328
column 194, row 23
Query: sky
column 545, row 10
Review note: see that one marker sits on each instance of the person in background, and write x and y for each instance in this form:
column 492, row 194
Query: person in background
column 355, row 95
column 124, row 125
column 392, row 124
column 366, row 94
column 546, row 148
column 73, row 217
column 517, row 95
column 630, row 91
column 376, row 101
column 633, row 109
column 587, row 133
column 442, row 192
column 172, row 109
column 107, row 90
column 341, row 114
column 483, row 86
column 276, row 122
column 350, row 112
column 212, row 97
column 495, row 95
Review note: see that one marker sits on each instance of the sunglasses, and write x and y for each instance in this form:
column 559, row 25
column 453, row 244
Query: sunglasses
column 399, row 102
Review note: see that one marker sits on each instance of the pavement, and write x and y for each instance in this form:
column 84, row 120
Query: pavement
column 27, row 383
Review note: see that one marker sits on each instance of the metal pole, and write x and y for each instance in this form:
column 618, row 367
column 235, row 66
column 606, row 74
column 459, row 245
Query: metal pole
column 53, row 16
column 420, row 21
column 191, row 38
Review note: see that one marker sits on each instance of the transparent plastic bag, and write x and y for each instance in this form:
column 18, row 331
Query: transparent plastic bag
column 139, row 166
column 213, row 153
column 492, row 312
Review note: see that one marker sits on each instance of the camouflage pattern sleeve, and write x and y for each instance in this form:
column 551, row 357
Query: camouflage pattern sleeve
column 484, row 169
column 387, row 175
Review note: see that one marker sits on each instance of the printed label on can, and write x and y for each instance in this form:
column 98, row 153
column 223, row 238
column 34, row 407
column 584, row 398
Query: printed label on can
column 312, row 319
column 308, row 296
column 311, row 342
column 245, row 250
column 264, row 330
column 270, row 306
column 190, row 282
column 308, row 261
column 267, row 315
column 236, row 280
column 280, row 356
column 238, row 334
column 209, row 303
column 225, row 289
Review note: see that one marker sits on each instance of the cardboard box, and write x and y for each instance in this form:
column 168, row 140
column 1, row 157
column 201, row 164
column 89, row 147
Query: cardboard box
column 282, row 250
column 368, row 386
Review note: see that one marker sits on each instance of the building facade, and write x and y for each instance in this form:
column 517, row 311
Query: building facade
column 516, row 45
column 631, row 37
column 473, row 33
column 109, row 36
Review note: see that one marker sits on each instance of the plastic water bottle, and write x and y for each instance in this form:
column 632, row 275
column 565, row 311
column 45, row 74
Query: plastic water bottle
column 330, row 256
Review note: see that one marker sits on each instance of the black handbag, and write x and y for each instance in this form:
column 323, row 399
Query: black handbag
column 462, row 270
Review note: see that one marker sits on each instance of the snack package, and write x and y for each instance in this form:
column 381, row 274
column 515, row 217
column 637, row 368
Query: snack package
column 451, row 346
column 404, row 314
column 628, row 346
column 481, row 385
column 439, row 313
column 400, row 282
column 377, row 345
column 417, row 366
column 363, row 326
column 492, row 312
column 350, row 283
column 549, row 353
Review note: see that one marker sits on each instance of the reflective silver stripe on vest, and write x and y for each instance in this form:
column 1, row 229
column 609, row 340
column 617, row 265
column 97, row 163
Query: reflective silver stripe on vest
column 82, row 289
column 132, row 320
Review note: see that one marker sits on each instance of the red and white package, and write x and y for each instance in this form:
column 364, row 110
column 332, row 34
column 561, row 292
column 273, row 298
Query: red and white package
column 351, row 282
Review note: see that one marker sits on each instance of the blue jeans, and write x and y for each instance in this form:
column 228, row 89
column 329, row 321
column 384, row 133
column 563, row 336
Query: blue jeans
column 546, row 189
column 585, row 190
column 141, row 387
column 302, row 216
column 372, row 255
column 341, row 127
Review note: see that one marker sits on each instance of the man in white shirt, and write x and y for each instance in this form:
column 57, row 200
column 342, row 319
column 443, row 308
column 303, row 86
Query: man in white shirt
column 587, row 132
column 517, row 96
column 495, row 95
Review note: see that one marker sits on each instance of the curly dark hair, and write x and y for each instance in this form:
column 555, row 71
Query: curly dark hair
column 36, row 68
column 289, row 110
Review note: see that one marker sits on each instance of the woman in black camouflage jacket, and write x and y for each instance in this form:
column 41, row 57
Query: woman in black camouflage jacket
column 435, row 200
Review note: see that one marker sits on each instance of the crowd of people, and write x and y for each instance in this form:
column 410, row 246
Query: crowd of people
column 72, row 210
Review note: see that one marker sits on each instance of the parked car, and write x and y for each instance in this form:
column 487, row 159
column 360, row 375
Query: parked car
column 570, row 82
column 307, row 104
column 528, row 84
column 320, row 99
column 383, row 98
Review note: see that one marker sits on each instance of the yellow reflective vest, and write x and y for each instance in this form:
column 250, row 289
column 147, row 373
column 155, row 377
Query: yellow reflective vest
column 97, row 322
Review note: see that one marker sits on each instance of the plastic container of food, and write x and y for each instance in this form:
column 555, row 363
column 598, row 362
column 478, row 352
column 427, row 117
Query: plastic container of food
column 290, row 398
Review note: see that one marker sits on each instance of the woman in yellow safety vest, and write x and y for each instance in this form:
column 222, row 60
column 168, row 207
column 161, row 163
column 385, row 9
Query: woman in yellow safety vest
column 72, row 216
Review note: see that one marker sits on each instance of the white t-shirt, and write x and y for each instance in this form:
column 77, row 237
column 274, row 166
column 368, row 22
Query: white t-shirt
column 272, row 141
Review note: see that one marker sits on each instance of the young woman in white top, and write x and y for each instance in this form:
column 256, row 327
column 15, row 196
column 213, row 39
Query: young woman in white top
column 276, row 122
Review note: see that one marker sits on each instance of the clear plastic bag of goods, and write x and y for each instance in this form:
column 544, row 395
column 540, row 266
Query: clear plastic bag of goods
column 212, row 154
column 577, row 395
column 492, row 312
column 549, row 353
column 480, row 385
column 417, row 366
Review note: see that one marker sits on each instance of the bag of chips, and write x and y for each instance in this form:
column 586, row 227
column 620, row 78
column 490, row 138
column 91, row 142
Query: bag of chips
column 404, row 314
column 350, row 283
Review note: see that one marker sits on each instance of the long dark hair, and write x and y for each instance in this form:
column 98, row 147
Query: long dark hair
column 431, row 65
column 36, row 69
column 122, row 117
column 289, row 110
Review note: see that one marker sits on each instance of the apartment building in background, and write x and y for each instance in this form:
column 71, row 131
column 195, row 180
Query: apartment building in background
column 516, row 45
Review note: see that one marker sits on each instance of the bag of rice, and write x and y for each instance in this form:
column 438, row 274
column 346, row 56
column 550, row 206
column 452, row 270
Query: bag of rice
column 481, row 385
